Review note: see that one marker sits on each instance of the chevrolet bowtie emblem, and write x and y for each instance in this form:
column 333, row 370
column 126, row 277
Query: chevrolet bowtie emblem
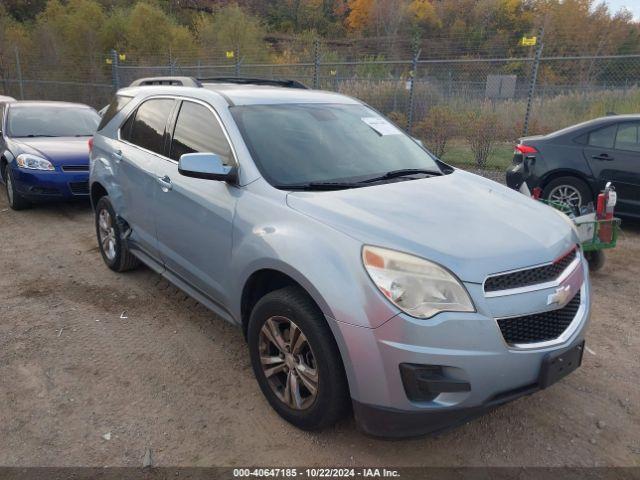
column 561, row 295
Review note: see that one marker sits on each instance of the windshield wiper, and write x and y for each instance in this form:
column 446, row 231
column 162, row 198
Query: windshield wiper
column 320, row 186
column 405, row 172
column 31, row 135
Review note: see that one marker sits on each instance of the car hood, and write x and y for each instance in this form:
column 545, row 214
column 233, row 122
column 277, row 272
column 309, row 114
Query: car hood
column 469, row 224
column 58, row 150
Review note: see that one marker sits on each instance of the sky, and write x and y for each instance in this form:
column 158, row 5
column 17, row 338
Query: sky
column 632, row 5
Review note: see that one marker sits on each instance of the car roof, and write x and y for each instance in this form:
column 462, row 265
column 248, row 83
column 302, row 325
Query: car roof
column 46, row 103
column 595, row 122
column 236, row 94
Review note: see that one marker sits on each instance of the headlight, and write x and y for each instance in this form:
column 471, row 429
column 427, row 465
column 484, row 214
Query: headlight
column 415, row 285
column 33, row 162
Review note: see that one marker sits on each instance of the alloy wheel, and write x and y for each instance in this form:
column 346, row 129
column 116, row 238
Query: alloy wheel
column 567, row 195
column 9, row 187
column 288, row 363
column 107, row 234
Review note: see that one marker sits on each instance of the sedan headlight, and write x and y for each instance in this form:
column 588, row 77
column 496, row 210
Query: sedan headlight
column 416, row 286
column 33, row 162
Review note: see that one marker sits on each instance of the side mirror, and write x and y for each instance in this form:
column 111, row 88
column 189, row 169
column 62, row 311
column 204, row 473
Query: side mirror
column 206, row 165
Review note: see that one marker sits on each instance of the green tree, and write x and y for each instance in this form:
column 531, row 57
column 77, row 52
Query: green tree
column 232, row 28
column 13, row 36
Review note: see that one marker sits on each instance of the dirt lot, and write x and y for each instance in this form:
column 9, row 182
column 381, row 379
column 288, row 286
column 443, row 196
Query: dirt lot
column 79, row 385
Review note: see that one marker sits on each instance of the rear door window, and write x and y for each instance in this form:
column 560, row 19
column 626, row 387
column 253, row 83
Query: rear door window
column 604, row 137
column 627, row 137
column 147, row 128
column 118, row 103
column 198, row 130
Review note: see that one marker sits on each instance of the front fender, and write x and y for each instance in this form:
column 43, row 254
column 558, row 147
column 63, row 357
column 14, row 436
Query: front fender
column 101, row 170
column 325, row 262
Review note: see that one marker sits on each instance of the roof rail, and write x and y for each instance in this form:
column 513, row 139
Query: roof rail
column 174, row 81
column 255, row 81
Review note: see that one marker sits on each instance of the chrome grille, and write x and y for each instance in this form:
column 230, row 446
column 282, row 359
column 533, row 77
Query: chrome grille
column 530, row 276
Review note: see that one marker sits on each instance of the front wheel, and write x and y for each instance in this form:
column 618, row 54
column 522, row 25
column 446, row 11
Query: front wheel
column 114, row 251
column 296, row 360
column 16, row 201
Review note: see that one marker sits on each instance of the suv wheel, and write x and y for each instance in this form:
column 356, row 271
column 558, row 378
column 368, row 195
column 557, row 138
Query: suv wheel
column 114, row 251
column 16, row 201
column 296, row 360
column 569, row 191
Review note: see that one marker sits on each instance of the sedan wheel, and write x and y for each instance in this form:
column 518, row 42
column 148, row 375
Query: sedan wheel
column 566, row 195
column 288, row 363
column 9, row 188
column 16, row 201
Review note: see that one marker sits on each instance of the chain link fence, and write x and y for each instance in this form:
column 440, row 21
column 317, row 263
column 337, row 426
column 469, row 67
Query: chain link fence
column 403, row 78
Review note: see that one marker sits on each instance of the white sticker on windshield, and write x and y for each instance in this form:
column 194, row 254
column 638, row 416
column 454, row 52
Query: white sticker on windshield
column 381, row 126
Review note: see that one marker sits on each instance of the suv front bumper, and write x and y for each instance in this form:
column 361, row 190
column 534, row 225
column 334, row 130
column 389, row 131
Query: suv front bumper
column 470, row 350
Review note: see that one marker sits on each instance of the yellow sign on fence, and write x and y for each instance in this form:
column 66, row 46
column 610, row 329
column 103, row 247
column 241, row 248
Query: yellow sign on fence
column 230, row 54
column 528, row 41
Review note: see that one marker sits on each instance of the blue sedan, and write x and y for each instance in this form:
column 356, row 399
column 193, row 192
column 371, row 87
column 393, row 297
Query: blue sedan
column 44, row 151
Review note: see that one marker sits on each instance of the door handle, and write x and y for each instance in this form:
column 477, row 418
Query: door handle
column 605, row 157
column 165, row 183
column 117, row 155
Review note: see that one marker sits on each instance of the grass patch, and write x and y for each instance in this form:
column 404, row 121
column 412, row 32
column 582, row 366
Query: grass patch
column 459, row 154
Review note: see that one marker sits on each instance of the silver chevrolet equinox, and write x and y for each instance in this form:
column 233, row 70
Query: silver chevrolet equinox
column 365, row 273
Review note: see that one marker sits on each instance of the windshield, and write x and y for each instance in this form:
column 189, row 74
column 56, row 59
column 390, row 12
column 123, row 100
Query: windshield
column 51, row 121
column 296, row 144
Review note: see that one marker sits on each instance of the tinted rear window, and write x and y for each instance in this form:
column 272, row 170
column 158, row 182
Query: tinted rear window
column 115, row 106
column 604, row 137
column 148, row 128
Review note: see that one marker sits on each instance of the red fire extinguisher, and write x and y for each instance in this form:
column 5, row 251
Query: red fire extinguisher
column 604, row 211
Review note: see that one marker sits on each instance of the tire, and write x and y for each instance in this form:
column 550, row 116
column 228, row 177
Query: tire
column 575, row 186
column 15, row 200
column 596, row 260
column 114, row 251
column 317, row 358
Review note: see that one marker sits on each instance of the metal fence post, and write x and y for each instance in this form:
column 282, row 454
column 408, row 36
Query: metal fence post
column 115, row 79
column 19, row 74
column 533, row 80
column 412, row 83
column 316, row 63
column 237, row 55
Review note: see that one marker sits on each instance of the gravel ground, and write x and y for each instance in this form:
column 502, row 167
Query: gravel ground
column 98, row 368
